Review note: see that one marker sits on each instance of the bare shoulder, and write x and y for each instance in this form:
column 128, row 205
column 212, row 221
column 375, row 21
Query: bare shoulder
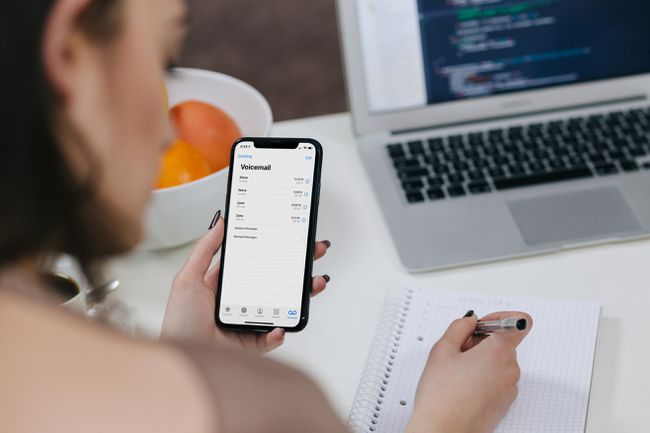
column 60, row 373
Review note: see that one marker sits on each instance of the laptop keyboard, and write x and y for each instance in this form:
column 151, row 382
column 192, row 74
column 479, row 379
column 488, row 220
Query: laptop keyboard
column 539, row 153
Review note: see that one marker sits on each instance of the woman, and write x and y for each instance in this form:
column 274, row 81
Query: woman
column 83, row 128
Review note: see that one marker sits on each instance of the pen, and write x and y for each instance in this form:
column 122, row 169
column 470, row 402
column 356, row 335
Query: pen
column 488, row 327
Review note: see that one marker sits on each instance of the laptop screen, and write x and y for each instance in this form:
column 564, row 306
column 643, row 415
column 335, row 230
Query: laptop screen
column 422, row 52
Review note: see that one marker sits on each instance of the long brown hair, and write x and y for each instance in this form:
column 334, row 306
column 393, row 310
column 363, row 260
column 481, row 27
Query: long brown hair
column 41, row 201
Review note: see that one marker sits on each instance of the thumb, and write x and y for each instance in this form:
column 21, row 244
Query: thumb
column 513, row 338
column 459, row 332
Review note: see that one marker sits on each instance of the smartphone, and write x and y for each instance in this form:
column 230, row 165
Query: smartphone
column 270, row 230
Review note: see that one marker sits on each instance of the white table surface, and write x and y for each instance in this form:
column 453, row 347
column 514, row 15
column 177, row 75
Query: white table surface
column 363, row 264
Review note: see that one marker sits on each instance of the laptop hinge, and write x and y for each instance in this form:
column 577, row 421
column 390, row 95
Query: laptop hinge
column 625, row 100
column 375, row 137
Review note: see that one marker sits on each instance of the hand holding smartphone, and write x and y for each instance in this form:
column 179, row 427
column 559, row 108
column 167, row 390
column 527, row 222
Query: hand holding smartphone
column 270, row 229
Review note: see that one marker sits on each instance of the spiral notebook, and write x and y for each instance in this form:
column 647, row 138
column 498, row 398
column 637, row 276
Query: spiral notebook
column 556, row 360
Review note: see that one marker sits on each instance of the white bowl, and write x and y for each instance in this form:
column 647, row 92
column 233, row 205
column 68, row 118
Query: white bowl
column 181, row 214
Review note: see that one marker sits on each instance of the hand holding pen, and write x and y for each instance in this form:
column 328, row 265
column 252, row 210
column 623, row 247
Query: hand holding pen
column 469, row 380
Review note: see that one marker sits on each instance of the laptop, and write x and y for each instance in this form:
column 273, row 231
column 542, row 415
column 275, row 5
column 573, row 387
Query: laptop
column 493, row 129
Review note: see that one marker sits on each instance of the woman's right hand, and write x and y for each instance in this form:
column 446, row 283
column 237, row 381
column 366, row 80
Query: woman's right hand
column 469, row 382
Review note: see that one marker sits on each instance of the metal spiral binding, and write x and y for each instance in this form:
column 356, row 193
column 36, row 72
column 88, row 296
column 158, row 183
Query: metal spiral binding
column 369, row 399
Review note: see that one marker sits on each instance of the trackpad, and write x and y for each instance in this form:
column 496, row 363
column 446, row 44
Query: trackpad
column 574, row 216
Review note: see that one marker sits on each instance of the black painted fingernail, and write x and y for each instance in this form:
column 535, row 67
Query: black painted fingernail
column 327, row 243
column 327, row 278
column 522, row 324
column 470, row 313
column 215, row 220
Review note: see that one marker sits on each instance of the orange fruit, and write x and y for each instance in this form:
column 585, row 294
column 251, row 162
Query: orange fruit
column 209, row 129
column 181, row 163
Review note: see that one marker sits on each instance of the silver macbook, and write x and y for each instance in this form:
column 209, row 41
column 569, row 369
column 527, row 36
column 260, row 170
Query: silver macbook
column 493, row 129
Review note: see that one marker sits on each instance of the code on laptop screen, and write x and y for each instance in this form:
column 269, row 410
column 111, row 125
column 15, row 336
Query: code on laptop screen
column 473, row 48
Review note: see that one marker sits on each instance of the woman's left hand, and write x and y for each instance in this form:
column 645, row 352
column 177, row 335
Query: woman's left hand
column 191, row 305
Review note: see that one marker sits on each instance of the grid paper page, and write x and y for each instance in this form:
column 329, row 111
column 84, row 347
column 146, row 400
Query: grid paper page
column 556, row 359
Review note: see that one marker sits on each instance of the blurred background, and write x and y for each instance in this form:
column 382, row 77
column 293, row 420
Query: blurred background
column 287, row 49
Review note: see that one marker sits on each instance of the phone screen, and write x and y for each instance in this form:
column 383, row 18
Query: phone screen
column 269, row 210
